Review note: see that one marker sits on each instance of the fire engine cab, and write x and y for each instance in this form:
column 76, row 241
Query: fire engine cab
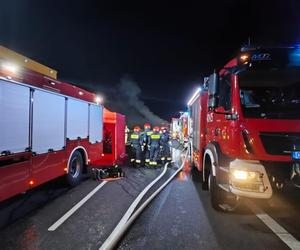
column 246, row 125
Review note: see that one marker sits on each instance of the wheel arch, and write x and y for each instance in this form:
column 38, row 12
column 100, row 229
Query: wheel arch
column 83, row 153
column 210, row 155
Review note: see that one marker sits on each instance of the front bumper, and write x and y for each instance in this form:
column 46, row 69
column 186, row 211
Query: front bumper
column 249, row 179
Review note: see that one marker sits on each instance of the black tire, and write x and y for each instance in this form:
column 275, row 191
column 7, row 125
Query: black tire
column 216, row 195
column 204, row 185
column 220, row 199
column 75, row 168
column 205, row 180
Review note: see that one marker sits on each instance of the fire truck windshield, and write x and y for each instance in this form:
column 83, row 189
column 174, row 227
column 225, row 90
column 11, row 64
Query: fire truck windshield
column 270, row 93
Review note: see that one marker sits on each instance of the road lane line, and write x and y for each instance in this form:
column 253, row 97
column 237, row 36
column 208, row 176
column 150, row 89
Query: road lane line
column 116, row 232
column 277, row 229
column 76, row 207
column 121, row 228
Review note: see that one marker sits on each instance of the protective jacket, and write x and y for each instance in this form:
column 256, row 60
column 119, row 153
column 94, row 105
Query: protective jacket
column 136, row 144
column 164, row 142
column 154, row 147
column 146, row 139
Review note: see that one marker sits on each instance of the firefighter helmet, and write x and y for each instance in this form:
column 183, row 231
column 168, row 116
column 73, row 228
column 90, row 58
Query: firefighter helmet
column 136, row 129
column 147, row 126
column 156, row 129
column 163, row 128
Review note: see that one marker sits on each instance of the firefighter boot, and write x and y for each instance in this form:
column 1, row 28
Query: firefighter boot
column 138, row 163
column 163, row 160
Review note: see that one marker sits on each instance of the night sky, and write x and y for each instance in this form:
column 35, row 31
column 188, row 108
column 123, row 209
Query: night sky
column 166, row 48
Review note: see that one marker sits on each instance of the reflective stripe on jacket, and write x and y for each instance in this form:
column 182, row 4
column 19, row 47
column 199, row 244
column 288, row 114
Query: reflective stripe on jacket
column 155, row 136
column 134, row 136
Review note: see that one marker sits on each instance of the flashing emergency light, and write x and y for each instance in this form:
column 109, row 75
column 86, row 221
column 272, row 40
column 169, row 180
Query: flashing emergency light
column 296, row 155
column 195, row 95
column 11, row 68
column 297, row 46
column 244, row 57
column 294, row 57
column 99, row 99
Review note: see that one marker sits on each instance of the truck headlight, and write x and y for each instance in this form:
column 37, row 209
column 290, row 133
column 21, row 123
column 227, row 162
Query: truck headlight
column 243, row 175
column 248, row 178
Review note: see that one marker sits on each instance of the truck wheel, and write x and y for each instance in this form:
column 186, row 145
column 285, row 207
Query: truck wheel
column 220, row 199
column 205, row 181
column 75, row 167
column 204, row 185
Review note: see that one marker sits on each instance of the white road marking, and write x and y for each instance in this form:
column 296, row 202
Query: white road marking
column 76, row 207
column 126, row 221
column 277, row 229
column 117, row 232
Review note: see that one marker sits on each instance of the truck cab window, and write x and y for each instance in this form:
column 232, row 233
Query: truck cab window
column 225, row 92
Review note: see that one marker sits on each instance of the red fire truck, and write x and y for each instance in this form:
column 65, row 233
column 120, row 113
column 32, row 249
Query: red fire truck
column 48, row 128
column 246, row 126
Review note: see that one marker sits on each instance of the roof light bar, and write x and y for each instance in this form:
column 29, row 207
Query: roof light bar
column 195, row 95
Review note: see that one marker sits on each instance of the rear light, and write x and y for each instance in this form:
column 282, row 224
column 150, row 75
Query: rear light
column 247, row 142
column 31, row 182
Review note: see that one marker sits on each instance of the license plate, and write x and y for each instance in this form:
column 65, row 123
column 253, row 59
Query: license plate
column 296, row 155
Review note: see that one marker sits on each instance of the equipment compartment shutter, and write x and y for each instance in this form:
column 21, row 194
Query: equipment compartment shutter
column 48, row 122
column 14, row 113
column 77, row 119
column 96, row 123
column 196, row 123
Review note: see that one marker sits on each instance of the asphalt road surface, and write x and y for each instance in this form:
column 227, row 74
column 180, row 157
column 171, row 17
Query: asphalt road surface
column 180, row 217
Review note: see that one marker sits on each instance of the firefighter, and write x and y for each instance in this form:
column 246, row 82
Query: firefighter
column 154, row 146
column 136, row 146
column 146, row 139
column 164, row 143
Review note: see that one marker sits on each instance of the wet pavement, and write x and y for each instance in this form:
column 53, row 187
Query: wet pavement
column 180, row 217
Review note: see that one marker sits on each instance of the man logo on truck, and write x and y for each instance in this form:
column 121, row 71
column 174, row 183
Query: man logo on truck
column 261, row 57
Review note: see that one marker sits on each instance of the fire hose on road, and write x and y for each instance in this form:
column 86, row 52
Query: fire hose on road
column 131, row 216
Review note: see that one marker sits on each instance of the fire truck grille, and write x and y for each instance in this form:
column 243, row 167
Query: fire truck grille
column 280, row 143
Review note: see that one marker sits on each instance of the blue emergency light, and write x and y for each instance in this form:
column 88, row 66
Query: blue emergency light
column 296, row 155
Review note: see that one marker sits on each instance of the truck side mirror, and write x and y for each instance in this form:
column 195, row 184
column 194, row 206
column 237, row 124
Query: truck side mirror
column 213, row 84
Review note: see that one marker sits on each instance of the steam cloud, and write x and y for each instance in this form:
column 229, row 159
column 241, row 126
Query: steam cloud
column 125, row 99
